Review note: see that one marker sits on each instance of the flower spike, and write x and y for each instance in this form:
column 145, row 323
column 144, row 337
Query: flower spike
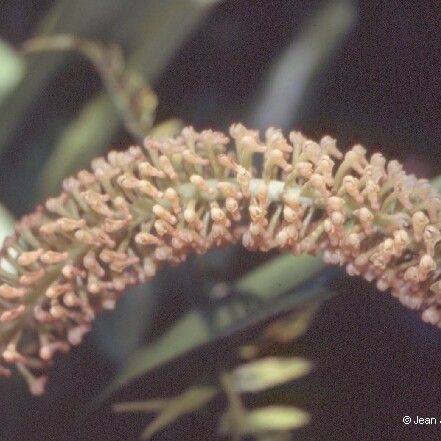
column 146, row 207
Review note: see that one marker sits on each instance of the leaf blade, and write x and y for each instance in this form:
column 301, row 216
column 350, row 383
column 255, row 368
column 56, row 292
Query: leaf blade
column 188, row 402
column 268, row 419
column 270, row 372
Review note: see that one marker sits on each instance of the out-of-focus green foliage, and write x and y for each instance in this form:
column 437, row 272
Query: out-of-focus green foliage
column 12, row 68
column 90, row 132
column 188, row 333
column 281, row 274
column 6, row 223
column 169, row 410
column 133, row 101
column 193, row 330
column 266, row 419
column 83, row 18
column 269, row 372
column 437, row 183
column 262, row 374
column 155, row 34
column 131, row 96
column 293, row 72
column 153, row 30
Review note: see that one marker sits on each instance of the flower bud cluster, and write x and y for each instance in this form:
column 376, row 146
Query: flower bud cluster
column 136, row 210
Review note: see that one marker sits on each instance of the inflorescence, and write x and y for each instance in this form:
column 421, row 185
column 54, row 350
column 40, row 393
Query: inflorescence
column 142, row 208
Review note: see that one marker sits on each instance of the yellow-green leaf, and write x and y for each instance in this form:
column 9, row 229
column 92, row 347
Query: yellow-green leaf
column 268, row 419
column 141, row 406
column 436, row 182
column 11, row 70
column 293, row 326
column 279, row 275
column 270, row 372
column 6, row 228
column 6, row 223
column 168, row 128
column 191, row 400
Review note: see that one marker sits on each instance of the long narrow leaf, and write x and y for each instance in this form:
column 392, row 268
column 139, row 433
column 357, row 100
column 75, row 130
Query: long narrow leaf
column 190, row 401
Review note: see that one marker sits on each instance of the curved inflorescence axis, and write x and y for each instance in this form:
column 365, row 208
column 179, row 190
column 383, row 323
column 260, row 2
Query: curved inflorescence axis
column 116, row 225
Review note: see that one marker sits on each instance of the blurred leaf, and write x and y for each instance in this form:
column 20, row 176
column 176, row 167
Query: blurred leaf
column 270, row 372
column 119, row 337
column 279, row 275
column 436, row 182
column 6, row 228
column 293, row 326
column 6, row 223
column 281, row 330
column 169, row 409
column 168, row 128
column 267, row 419
column 274, row 436
column 87, row 133
column 141, row 406
column 154, row 29
column 291, row 74
column 189, row 332
column 12, row 69
column 190, row 401
column 159, row 29
column 83, row 18
column 132, row 97
column 236, row 410
column 162, row 27
column 193, row 331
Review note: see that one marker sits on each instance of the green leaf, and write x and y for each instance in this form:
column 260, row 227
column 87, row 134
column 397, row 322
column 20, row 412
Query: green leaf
column 168, row 128
column 267, row 419
column 6, row 228
column 190, row 401
column 291, row 75
column 102, row 17
column 6, row 223
column 436, row 182
column 189, row 332
column 158, row 30
column 279, row 275
column 12, row 69
column 141, row 406
column 117, row 337
column 269, row 372
column 135, row 101
column 293, row 326
column 153, row 30
column 282, row 330
column 85, row 137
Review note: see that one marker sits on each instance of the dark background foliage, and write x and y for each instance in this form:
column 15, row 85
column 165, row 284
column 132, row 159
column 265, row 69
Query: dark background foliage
column 376, row 361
